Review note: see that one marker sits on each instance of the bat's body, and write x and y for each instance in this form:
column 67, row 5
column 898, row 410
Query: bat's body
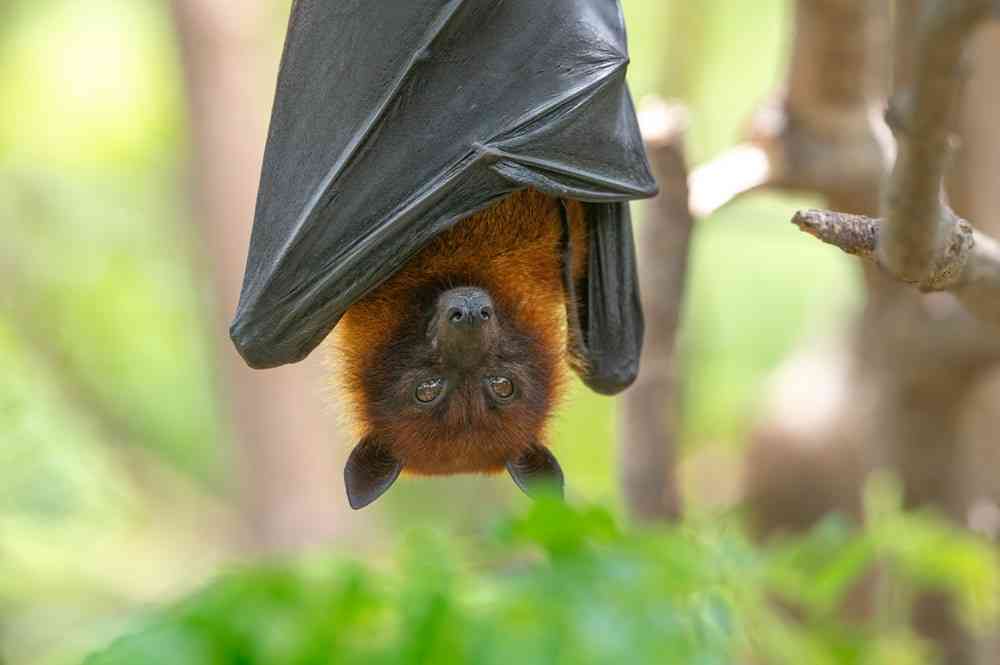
column 455, row 364
column 395, row 126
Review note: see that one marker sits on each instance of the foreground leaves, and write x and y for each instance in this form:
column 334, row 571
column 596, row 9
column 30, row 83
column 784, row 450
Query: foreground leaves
column 565, row 586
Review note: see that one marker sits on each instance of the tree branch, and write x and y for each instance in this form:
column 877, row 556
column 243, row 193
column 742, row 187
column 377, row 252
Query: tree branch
column 649, row 440
column 821, row 134
column 287, row 447
column 922, row 241
column 969, row 266
column 920, row 226
column 738, row 171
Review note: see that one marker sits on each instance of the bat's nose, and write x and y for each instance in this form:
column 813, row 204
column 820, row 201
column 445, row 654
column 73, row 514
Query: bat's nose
column 467, row 308
column 465, row 326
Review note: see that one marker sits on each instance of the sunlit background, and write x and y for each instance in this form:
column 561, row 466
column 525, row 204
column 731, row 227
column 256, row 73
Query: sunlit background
column 120, row 471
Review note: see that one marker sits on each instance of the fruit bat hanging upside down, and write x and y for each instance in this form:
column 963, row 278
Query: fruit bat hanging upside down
column 445, row 188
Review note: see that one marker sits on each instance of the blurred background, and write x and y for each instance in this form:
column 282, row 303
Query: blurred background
column 138, row 457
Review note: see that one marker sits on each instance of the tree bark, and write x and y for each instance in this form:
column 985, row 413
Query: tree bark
column 823, row 133
column 823, row 136
column 649, row 410
column 922, row 241
column 287, row 445
column 974, row 195
column 897, row 394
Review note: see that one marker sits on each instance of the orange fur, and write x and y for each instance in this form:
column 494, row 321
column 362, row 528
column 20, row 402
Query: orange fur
column 513, row 251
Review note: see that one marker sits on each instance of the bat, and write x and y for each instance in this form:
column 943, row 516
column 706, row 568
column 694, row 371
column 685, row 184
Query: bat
column 401, row 132
column 456, row 362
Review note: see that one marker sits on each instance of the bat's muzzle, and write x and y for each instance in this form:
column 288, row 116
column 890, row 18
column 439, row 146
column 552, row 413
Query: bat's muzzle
column 466, row 308
column 464, row 325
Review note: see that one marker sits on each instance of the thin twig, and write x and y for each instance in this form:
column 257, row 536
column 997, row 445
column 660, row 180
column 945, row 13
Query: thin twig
column 741, row 170
column 855, row 234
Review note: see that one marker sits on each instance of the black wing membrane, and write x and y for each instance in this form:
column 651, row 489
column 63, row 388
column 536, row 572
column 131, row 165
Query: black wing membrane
column 395, row 119
column 610, row 320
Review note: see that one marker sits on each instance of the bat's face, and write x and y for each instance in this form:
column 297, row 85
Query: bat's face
column 462, row 388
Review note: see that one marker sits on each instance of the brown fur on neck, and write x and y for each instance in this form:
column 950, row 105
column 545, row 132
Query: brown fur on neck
column 513, row 250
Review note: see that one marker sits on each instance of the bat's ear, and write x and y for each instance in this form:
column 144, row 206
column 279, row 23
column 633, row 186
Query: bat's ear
column 370, row 472
column 536, row 470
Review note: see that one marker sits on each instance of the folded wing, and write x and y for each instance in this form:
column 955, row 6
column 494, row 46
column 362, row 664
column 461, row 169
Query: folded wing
column 396, row 119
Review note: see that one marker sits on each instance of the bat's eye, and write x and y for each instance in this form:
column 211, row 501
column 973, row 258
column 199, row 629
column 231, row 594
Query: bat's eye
column 428, row 391
column 501, row 387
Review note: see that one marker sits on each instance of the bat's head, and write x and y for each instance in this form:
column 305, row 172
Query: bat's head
column 463, row 385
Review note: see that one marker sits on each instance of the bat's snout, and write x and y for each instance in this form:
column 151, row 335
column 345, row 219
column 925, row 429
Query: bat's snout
column 464, row 325
column 466, row 308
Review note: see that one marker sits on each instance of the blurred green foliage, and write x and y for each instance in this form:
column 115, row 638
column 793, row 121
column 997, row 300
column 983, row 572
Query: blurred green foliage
column 568, row 586
column 107, row 409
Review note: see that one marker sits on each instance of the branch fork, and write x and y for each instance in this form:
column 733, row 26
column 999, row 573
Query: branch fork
column 920, row 240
